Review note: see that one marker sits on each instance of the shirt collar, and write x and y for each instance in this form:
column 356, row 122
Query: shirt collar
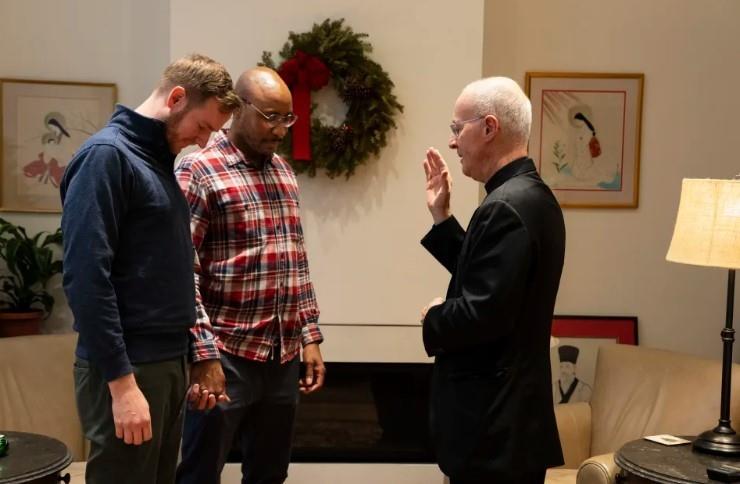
column 149, row 133
column 516, row 167
column 232, row 154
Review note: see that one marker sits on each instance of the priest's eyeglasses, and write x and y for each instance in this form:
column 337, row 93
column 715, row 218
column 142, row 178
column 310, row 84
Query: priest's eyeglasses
column 458, row 126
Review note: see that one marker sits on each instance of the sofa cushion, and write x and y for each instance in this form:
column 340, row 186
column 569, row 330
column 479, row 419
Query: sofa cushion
column 643, row 391
column 561, row 476
column 38, row 388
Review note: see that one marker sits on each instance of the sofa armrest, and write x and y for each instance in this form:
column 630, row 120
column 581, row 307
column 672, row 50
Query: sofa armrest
column 599, row 469
column 574, row 427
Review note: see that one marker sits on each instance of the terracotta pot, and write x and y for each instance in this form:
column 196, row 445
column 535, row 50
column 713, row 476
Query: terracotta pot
column 20, row 323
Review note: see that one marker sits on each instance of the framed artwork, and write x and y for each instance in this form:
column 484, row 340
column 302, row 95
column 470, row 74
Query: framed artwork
column 574, row 345
column 585, row 136
column 42, row 123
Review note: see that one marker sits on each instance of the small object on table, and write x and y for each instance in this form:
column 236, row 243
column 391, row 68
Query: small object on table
column 724, row 473
column 666, row 439
column 3, row 445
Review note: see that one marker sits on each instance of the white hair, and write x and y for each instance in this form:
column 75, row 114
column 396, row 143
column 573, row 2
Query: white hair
column 503, row 98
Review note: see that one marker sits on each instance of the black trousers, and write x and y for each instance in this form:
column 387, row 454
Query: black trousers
column 528, row 478
column 111, row 460
column 259, row 418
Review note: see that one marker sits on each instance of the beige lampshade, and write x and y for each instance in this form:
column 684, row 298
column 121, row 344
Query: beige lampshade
column 707, row 231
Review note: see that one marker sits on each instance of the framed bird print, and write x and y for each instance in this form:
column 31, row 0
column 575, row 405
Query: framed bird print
column 42, row 124
column 585, row 136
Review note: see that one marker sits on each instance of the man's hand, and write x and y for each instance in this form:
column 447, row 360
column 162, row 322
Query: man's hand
column 439, row 185
column 434, row 302
column 207, row 385
column 130, row 411
column 315, row 370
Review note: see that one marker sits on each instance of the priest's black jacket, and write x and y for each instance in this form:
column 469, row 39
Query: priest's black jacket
column 491, row 411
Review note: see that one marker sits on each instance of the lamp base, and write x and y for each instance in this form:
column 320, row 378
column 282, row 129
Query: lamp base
column 715, row 442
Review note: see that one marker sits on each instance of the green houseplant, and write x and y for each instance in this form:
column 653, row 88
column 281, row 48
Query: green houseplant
column 29, row 264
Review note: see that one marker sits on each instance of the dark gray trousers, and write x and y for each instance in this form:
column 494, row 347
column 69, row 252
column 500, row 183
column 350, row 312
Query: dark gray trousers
column 112, row 461
column 259, row 418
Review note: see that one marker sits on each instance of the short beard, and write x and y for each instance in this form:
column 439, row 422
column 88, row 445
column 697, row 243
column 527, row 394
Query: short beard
column 256, row 157
column 170, row 126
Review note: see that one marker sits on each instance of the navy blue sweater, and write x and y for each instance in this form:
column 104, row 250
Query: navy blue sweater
column 128, row 255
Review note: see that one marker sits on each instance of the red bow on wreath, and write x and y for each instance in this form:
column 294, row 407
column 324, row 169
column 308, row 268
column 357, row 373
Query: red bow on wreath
column 303, row 73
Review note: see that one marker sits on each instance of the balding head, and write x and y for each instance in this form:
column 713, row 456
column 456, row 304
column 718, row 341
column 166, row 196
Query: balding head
column 503, row 98
column 262, row 85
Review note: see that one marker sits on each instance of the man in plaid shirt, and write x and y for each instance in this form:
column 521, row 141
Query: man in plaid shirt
column 255, row 303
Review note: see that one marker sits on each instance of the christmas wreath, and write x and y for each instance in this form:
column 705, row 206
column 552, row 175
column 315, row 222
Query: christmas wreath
column 332, row 51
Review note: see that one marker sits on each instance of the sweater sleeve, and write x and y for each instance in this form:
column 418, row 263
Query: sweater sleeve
column 94, row 198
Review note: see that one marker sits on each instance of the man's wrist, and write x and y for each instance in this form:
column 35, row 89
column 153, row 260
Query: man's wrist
column 121, row 385
column 441, row 217
column 204, row 351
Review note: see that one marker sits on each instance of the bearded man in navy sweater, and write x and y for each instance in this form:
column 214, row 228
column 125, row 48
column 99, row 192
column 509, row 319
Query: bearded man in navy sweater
column 128, row 266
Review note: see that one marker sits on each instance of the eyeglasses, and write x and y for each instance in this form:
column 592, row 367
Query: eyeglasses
column 457, row 126
column 275, row 119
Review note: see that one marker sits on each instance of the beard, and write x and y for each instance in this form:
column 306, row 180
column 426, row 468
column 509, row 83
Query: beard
column 171, row 125
column 255, row 155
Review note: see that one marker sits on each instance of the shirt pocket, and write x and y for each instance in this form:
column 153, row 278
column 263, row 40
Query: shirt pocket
column 292, row 221
column 244, row 225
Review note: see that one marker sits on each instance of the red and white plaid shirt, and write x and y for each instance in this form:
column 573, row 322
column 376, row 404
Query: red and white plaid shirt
column 251, row 273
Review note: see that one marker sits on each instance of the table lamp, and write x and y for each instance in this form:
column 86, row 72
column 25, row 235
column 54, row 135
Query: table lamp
column 707, row 233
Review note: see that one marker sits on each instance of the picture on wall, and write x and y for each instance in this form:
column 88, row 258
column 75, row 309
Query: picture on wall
column 42, row 123
column 574, row 345
column 585, row 136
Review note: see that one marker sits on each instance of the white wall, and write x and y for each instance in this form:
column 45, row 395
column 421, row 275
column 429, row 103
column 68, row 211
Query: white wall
column 688, row 51
column 126, row 43
column 363, row 234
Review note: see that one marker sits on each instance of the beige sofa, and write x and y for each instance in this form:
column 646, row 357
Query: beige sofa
column 38, row 391
column 638, row 392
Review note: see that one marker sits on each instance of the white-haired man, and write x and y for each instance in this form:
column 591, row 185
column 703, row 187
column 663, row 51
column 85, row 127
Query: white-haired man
column 492, row 417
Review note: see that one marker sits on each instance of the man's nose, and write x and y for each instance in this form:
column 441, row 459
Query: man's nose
column 280, row 130
column 453, row 142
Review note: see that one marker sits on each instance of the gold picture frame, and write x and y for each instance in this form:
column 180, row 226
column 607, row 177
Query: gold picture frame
column 42, row 124
column 585, row 139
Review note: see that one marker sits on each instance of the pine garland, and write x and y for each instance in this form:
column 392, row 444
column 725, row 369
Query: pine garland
column 361, row 83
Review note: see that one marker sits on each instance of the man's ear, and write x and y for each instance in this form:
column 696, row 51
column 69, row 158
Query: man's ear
column 492, row 124
column 177, row 98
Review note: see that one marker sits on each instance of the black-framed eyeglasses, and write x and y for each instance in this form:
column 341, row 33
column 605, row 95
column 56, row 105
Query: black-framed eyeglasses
column 457, row 126
column 274, row 119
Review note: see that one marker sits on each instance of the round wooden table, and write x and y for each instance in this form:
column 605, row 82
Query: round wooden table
column 32, row 458
column 646, row 461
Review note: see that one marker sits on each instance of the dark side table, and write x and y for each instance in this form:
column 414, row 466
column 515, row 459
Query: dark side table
column 645, row 461
column 33, row 458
